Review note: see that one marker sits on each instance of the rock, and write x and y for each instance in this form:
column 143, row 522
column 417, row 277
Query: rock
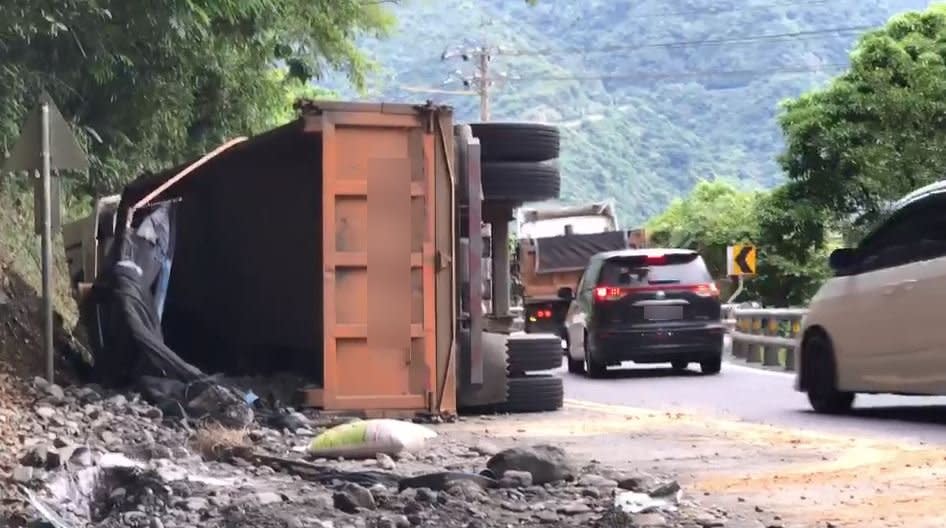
column 351, row 498
column 81, row 457
column 574, row 508
column 109, row 438
column 35, row 457
column 156, row 523
column 516, row 479
column 117, row 401
column 547, row 517
column 87, row 395
column 639, row 483
column 426, row 495
column 595, row 481
column 545, row 463
column 386, row 462
column 40, row 383
column 268, row 497
column 24, row 474
column 401, row 521
column 591, row 493
column 485, row 448
column 55, row 392
column 196, row 504
column 467, row 490
column 664, row 489
column 649, row 520
column 706, row 520
column 45, row 412
column 517, row 507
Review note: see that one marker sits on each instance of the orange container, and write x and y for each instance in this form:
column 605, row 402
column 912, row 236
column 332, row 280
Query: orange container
column 387, row 273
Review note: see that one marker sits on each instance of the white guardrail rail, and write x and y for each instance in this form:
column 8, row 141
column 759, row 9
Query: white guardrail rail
column 764, row 335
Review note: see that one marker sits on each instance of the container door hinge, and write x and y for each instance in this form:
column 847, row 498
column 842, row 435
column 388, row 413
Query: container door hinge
column 442, row 261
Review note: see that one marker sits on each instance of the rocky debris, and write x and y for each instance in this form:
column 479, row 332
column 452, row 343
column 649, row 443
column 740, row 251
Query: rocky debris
column 516, row 479
column 545, row 463
column 106, row 460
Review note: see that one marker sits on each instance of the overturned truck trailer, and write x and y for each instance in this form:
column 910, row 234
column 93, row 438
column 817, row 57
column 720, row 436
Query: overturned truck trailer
column 339, row 247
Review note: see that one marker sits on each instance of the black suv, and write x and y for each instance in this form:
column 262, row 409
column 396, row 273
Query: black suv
column 645, row 306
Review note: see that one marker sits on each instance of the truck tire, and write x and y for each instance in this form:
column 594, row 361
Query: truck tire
column 538, row 393
column 533, row 353
column 517, row 141
column 520, row 181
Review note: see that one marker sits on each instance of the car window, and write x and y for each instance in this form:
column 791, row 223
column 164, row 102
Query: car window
column 915, row 234
column 638, row 271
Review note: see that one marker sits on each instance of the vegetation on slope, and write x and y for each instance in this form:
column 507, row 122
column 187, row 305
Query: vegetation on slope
column 596, row 67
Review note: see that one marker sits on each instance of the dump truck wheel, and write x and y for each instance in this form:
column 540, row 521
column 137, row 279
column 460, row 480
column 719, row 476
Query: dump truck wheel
column 520, row 182
column 537, row 393
column 517, row 141
column 533, row 353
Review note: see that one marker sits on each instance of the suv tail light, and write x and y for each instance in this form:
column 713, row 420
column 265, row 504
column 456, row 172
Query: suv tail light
column 706, row 290
column 605, row 293
column 612, row 293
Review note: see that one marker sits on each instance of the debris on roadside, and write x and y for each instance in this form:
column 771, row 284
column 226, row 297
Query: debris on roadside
column 91, row 457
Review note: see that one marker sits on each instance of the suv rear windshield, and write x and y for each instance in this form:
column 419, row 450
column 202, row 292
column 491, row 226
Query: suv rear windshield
column 677, row 268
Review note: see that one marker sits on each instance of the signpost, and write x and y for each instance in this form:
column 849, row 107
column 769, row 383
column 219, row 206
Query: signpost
column 740, row 262
column 46, row 144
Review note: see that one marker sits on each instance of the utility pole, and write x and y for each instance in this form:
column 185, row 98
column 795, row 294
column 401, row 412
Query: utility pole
column 481, row 80
column 484, row 88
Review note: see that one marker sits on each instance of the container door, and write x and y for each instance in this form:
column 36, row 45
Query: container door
column 380, row 346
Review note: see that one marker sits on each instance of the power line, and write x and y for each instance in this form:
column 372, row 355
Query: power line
column 716, row 11
column 681, row 75
column 800, row 35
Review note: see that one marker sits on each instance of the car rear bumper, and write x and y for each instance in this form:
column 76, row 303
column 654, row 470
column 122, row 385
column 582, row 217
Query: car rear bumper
column 660, row 344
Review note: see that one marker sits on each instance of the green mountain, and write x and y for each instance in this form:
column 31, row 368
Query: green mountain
column 652, row 95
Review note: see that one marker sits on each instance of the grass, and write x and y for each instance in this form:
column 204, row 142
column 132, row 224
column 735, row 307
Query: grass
column 216, row 442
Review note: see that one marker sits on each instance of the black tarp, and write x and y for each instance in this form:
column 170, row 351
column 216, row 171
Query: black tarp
column 571, row 252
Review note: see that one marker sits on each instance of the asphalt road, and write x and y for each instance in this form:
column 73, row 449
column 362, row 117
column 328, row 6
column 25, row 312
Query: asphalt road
column 759, row 396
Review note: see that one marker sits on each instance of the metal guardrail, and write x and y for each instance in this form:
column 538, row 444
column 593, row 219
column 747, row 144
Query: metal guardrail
column 764, row 335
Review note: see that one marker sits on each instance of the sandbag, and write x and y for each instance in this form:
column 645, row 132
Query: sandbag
column 367, row 438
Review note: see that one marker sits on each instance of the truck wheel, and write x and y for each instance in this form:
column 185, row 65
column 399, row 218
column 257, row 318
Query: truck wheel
column 538, row 393
column 533, row 353
column 517, row 141
column 514, row 181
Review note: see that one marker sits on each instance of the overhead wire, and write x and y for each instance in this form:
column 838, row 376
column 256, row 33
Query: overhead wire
column 794, row 35
column 733, row 9
column 679, row 75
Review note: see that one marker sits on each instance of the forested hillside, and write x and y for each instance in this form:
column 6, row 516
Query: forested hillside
column 653, row 95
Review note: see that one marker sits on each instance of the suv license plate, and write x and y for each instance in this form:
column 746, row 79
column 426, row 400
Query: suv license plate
column 663, row 313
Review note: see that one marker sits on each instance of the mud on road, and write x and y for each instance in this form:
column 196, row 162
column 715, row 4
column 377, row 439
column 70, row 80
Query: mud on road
column 763, row 476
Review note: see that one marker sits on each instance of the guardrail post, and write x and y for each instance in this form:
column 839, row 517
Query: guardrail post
column 738, row 347
column 794, row 330
column 754, row 354
column 770, row 353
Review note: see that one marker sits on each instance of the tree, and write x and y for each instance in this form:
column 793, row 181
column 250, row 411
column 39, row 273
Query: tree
column 149, row 87
column 877, row 131
column 787, row 230
column 714, row 215
column 792, row 253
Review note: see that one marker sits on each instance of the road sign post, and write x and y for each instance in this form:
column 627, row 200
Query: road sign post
column 740, row 262
column 47, row 246
column 46, row 144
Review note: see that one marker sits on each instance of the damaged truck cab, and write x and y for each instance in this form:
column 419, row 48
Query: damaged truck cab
column 344, row 247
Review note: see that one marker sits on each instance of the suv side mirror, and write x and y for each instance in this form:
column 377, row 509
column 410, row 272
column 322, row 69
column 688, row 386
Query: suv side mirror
column 566, row 293
column 842, row 259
